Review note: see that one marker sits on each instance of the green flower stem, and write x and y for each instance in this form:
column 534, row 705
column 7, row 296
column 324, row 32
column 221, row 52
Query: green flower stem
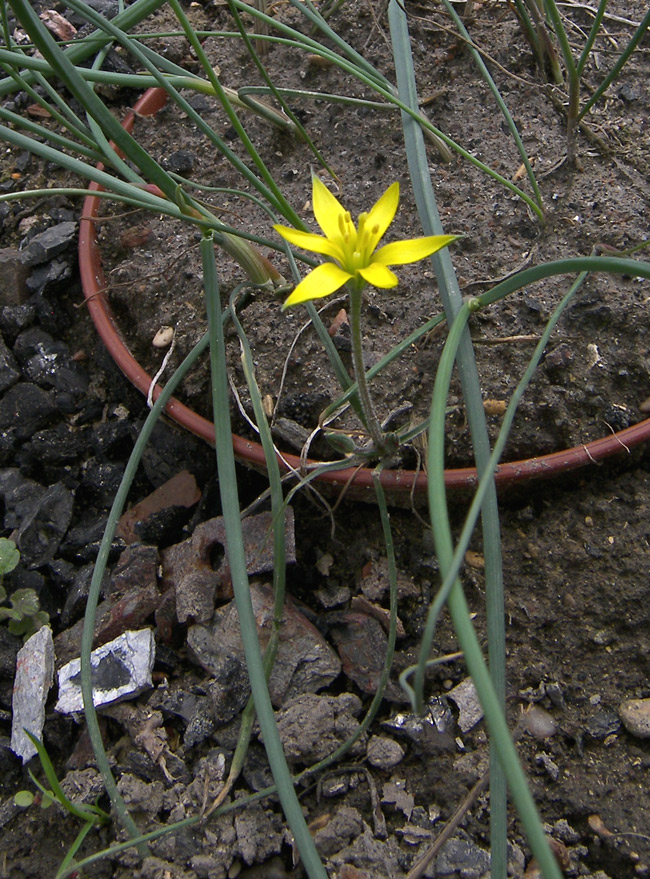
column 452, row 302
column 484, row 483
column 501, row 744
column 237, row 559
column 279, row 548
column 372, row 423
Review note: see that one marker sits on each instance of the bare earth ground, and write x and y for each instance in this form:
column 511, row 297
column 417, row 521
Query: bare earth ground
column 577, row 555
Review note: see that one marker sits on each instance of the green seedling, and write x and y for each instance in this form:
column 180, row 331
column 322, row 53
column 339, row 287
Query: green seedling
column 9, row 557
column 92, row 816
column 24, row 615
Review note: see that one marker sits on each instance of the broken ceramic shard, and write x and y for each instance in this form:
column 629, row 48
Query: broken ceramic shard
column 468, row 704
column 121, row 670
column 34, row 676
column 198, row 569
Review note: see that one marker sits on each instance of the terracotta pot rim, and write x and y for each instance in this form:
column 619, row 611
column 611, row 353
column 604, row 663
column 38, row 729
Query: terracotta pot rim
column 397, row 483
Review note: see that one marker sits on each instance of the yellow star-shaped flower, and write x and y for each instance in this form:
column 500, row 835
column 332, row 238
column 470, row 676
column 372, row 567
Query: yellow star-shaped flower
column 353, row 249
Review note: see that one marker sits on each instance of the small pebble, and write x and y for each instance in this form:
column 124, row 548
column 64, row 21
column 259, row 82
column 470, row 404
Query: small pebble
column 538, row 723
column 384, row 753
column 475, row 560
column 163, row 337
column 551, row 768
column 635, row 714
column 495, row 407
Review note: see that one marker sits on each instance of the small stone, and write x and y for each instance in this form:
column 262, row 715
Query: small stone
column 628, row 94
column 324, row 563
column 34, row 676
column 52, row 274
column 257, row 837
column 13, row 277
column 361, row 642
column 42, row 530
column 375, row 582
column 537, row 722
column 26, row 408
column 560, row 358
column 51, row 451
column 163, row 337
column 19, row 495
column 395, row 794
column 432, row 732
column 75, row 602
column 83, row 786
column 460, row 857
column 179, row 491
column 367, row 856
column 171, row 450
column 50, row 243
column 344, row 826
column 304, row 662
column 100, row 482
column 555, row 694
column 550, row 767
column 332, row 594
column 384, row 753
column 229, row 691
column 563, row 831
column 180, row 162
column 9, row 372
column 14, row 318
column 635, row 714
column 602, row 724
column 121, row 670
column 136, row 568
column 469, row 705
column 141, row 796
column 192, row 708
column 48, row 362
column 312, row 727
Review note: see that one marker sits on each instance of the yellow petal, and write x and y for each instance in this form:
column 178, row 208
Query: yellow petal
column 382, row 214
column 309, row 241
column 327, row 208
column 378, row 275
column 413, row 249
column 325, row 279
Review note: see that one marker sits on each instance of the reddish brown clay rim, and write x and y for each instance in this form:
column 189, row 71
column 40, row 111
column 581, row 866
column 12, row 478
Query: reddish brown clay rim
column 398, row 483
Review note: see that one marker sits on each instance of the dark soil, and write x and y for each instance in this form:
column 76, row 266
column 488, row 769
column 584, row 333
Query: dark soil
column 576, row 551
